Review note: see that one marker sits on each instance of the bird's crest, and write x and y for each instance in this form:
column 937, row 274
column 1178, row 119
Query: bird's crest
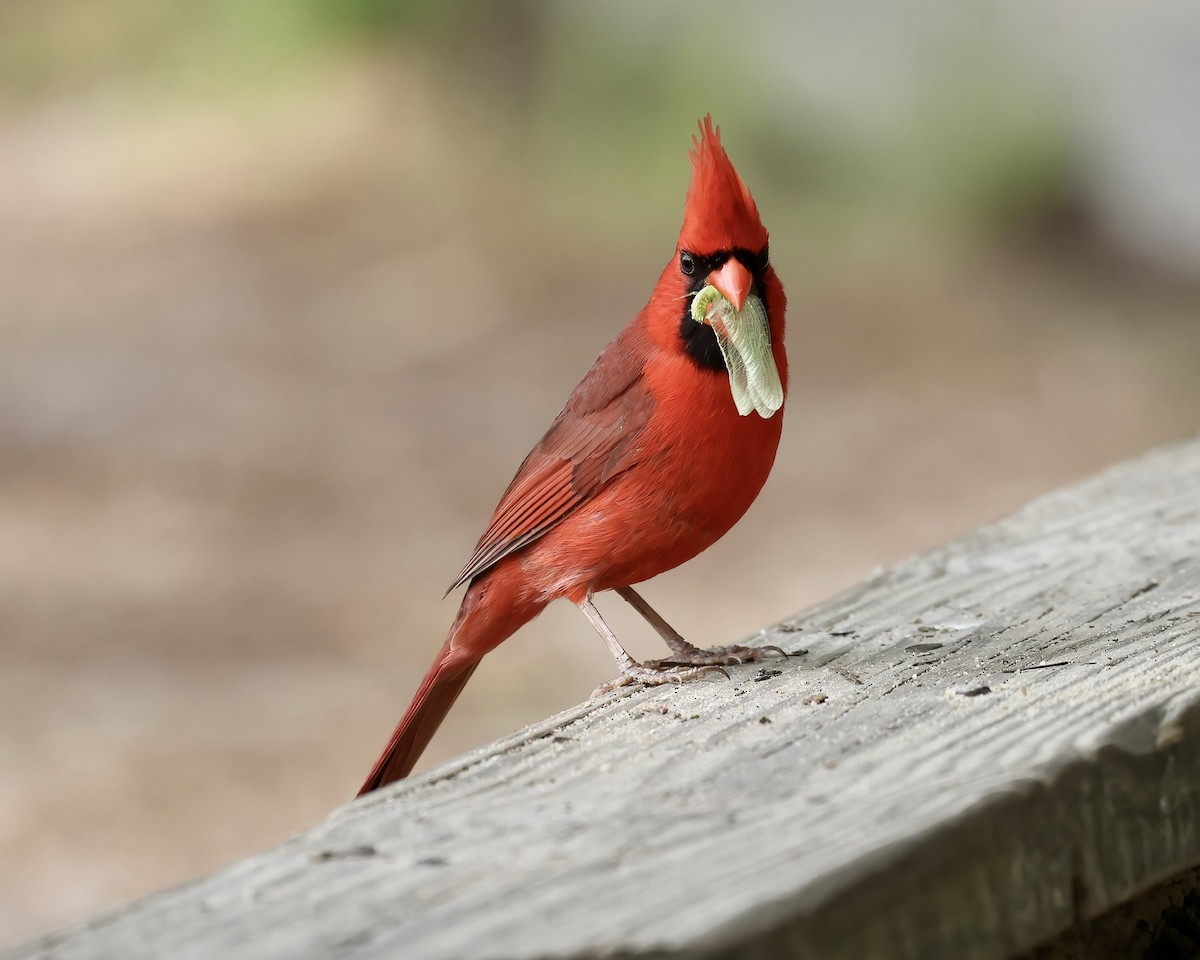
column 720, row 213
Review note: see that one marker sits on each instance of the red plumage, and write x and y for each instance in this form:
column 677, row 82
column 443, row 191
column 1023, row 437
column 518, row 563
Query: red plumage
column 648, row 464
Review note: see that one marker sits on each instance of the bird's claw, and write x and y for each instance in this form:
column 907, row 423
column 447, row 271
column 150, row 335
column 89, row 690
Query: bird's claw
column 729, row 656
column 657, row 672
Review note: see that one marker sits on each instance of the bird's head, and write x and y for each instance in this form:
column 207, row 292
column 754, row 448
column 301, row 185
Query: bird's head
column 729, row 289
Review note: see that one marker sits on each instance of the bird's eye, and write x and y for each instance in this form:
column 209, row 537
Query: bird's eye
column 687, row 263
column 764, row 258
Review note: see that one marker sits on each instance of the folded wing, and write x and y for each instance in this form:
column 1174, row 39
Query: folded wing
column 594, row 439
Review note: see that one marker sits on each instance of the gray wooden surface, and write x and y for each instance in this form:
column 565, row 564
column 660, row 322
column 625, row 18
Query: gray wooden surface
column 981, row 746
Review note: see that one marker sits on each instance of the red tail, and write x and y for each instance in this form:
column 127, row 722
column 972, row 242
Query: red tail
column 440, row 688
column 496, row 604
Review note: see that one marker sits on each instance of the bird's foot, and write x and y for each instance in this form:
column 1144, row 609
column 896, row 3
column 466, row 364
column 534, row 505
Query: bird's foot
column 683, row 654
column 654, row 673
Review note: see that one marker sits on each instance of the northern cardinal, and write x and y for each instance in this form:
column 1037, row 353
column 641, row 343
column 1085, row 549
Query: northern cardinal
column 658, row 452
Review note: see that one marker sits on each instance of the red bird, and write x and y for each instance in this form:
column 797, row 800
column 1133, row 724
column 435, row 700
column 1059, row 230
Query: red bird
column 657, row 454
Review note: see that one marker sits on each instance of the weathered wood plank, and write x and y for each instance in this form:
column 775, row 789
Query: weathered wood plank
column 982, row 745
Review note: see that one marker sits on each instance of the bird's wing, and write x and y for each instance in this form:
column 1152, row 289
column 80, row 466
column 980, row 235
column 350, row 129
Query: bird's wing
column 592, row 441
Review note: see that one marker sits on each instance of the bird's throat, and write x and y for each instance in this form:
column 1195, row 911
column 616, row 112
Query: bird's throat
column 700, row 344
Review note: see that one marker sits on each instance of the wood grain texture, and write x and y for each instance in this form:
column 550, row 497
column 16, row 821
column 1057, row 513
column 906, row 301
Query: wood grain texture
column 982, row 746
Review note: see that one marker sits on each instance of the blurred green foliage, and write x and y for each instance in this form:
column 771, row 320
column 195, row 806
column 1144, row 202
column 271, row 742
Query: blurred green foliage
column 585, row 93
column 370, row 17
column 64, row 46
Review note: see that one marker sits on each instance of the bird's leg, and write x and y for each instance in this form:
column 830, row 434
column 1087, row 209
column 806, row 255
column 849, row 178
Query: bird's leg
column 683, row 653
column 631, row 670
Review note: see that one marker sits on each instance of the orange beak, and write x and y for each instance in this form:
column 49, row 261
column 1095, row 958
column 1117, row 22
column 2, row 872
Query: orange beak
column 733, row 281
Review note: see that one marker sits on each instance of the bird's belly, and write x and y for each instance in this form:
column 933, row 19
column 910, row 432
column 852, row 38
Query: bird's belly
column 675, row 503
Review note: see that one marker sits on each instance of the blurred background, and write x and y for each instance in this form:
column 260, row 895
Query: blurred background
column 288, row 288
